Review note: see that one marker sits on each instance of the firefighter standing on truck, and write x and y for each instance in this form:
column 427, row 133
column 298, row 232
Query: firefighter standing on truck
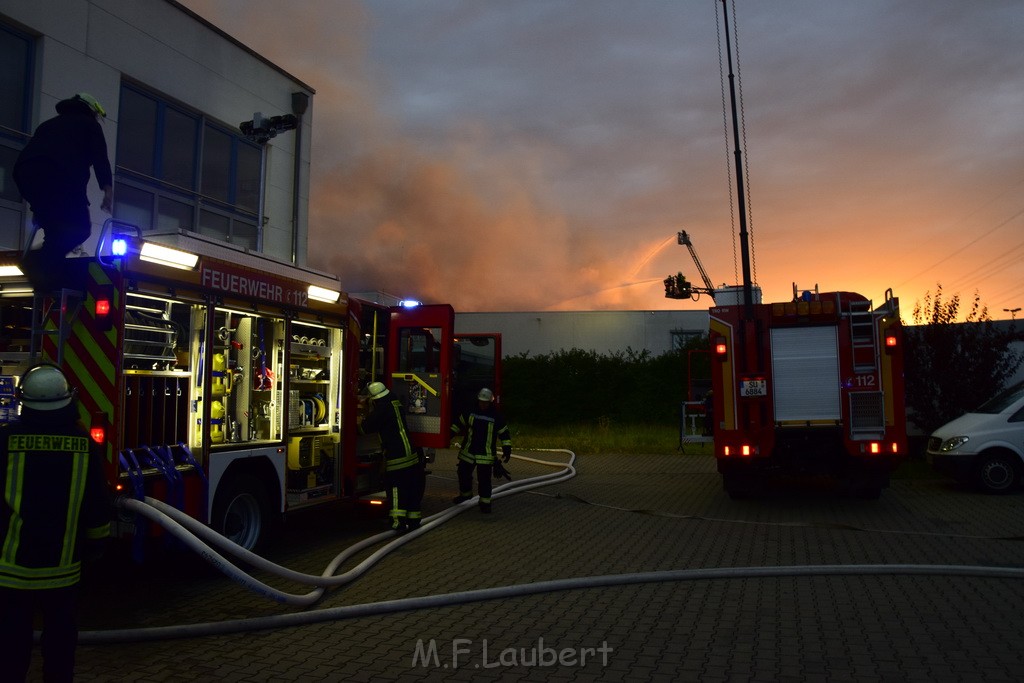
column 54, row 510
column 403, row 474
column 52, row 174
column 482, row 429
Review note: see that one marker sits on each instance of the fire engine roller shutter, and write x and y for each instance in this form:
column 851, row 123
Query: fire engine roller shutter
column 803, row 358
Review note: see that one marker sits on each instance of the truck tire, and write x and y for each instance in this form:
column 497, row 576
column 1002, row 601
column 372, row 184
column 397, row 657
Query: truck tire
column 241, row 511
column 997, row 473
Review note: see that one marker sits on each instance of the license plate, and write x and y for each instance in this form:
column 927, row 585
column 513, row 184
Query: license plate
column 753, row 387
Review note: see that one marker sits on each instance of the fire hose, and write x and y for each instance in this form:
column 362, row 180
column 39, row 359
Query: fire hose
column 192, row 533
column 201, row 539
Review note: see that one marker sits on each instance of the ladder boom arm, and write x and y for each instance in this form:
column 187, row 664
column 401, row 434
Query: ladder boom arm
column 685, row 239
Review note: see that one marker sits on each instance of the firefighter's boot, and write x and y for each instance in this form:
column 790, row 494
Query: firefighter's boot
column 485, row 507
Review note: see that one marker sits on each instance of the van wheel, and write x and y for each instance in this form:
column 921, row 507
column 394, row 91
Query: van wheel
column 997, row 473
column 241, row 511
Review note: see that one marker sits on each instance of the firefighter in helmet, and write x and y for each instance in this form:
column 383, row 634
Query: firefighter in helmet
column 52, row 175
column 54, row 510
column 481, row 429
column 403, row 467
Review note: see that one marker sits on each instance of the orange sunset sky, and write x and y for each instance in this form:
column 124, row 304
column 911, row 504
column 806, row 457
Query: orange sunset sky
column 543, row 154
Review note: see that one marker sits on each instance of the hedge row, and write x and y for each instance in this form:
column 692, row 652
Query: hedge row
column 569, row 387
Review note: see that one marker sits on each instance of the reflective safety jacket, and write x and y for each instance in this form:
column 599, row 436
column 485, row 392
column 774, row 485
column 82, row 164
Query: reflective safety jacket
column 483, row 430
column 388, row 421
column 54, row 499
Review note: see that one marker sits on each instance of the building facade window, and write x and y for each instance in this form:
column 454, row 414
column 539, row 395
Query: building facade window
column 178, row 169
column 16, row 55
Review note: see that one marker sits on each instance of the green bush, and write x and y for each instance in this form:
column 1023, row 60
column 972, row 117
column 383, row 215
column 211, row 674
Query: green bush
column 585, row 387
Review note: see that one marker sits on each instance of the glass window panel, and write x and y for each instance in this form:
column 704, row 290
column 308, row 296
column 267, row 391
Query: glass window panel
column 173, row 215
column 214, row 225
column 244, row 235
column 10, row 229
column 248, row 192
column 179, row 148
column 14, row 55
column 216, row 164
column 134, row 206
column 136, row 132
column 8, row 190
column 420, row 351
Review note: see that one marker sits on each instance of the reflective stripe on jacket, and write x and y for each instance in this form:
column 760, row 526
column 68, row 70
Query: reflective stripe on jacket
column 388, row 421
column 482, row 433
column 53, row 497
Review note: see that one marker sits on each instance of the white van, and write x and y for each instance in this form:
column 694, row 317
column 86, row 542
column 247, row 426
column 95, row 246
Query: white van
column 985, row 447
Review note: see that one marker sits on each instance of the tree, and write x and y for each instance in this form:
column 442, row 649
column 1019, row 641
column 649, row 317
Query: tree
column 951, row 367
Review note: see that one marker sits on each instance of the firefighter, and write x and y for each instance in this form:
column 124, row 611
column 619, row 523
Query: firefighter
column 52, row 174
column 403, row 470
column 481, row 431
column 54, row 510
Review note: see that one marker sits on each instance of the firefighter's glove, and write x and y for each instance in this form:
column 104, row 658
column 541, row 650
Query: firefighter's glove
column 500, row 471
column 506, row 453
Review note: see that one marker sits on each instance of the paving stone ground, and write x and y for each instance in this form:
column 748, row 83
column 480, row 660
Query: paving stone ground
column 619, row 515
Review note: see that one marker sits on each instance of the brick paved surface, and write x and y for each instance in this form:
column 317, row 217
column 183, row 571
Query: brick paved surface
column 621, row 514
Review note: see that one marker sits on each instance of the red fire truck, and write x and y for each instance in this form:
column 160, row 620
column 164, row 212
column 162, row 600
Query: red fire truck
column 813, row 385
column 227, row 384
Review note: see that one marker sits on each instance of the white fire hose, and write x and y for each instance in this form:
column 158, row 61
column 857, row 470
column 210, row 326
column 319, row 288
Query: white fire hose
column 192, row 533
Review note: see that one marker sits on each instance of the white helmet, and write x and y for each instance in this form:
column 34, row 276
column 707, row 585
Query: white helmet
column 485, row 395
column 44, row 387
column 377, row 390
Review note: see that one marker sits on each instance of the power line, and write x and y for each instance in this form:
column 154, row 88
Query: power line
column 1008, row 259
column 957, row 252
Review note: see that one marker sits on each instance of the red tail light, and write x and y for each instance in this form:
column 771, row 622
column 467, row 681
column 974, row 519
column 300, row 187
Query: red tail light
column 103, row 308
column 99, row 428
column 721, row 348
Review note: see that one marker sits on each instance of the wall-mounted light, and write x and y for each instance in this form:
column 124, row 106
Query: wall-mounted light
column 323, row 294
column 11, row 271
column 165, row 256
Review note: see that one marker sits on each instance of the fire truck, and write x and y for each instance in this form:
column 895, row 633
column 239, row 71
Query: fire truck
column 813, row 385
column 228, row 384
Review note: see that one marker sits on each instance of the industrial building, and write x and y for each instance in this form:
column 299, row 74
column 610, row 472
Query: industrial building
column 540, row 332
column 176, row 90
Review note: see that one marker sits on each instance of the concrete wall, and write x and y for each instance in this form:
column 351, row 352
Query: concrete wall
column 90, row 45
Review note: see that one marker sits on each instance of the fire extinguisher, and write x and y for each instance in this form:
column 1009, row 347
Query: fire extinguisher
column 216, row 422
column 221, row 384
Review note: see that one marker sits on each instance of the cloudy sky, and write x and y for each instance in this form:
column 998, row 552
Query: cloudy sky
column 543, row 154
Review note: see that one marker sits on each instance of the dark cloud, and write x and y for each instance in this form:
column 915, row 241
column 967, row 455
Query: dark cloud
column 526, row 154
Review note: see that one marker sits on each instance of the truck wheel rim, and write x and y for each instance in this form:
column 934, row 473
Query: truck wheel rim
column 242, row 521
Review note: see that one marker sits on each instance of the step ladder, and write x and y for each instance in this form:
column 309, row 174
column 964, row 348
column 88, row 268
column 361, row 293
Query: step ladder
column 69, row 302
column 867, row 408
column 863, row 338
